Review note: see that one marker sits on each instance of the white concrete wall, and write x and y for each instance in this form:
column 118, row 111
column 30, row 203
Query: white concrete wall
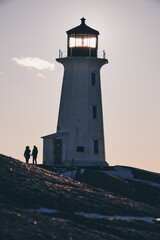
column 48, row 148
column 75, row 112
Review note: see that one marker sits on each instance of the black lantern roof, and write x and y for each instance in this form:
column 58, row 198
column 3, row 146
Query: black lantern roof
column 82, row 29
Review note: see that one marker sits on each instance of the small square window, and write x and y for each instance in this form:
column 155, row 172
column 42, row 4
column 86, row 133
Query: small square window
column 96, row 146
column 93, row 79
column 94, row 111
column 80, row 149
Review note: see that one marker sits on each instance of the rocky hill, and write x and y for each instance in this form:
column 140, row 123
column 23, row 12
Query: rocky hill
column 132, row 183
column 36, row 203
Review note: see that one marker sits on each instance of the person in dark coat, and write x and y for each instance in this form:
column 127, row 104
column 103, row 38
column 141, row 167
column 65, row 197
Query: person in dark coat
column 34, row 154
column 27, row 154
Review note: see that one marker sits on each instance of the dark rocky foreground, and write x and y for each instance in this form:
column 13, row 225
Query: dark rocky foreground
column 24, row 187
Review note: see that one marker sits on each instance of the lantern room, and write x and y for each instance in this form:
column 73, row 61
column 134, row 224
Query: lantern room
column 82, row 41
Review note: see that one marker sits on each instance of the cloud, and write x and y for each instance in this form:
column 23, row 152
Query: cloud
column 40, row 75
column 0, row 73
column 33, row 62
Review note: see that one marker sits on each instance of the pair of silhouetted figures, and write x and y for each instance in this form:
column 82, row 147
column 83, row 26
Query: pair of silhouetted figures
column 27, row 154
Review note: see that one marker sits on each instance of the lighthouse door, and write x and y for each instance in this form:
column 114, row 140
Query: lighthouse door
column 57, row 151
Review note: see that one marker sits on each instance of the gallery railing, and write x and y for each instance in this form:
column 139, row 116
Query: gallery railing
column 100, row 54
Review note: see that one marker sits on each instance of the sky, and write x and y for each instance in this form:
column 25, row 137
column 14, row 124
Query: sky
column 33, row 31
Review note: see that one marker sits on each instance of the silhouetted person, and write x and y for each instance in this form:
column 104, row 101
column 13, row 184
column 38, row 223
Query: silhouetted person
column 27, row 154
column 34, row 154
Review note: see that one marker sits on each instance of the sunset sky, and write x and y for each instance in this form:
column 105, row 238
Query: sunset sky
column 33, row 31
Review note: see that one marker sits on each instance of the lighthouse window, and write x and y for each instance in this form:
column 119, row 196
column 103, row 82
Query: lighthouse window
column 81, row 41
column 94, row 111
column 78, row 42
column 93, row 79
column 80, row 149
column 96, row 147
column 89, row 42
column 75, row 42
column 72, row 42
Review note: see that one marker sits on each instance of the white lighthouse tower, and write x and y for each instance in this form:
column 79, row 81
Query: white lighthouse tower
column 79, row 139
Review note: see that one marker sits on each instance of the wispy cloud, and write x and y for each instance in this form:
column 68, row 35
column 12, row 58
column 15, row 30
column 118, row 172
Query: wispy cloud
column 40, row 75
column 33, row 62
column 0, row 73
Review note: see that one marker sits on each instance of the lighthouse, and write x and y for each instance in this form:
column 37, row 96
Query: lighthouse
column 79, row 139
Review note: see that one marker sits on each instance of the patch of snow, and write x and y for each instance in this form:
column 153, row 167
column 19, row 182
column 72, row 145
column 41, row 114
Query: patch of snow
column 126, row 173
column 127, row 218
column 43, row 210
column 61, row 219
column 82, row 170
column 121, row 172
column 70, row 174
column 153, row 184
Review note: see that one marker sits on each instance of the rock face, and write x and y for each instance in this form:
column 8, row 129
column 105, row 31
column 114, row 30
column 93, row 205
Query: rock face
column 39, row 204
